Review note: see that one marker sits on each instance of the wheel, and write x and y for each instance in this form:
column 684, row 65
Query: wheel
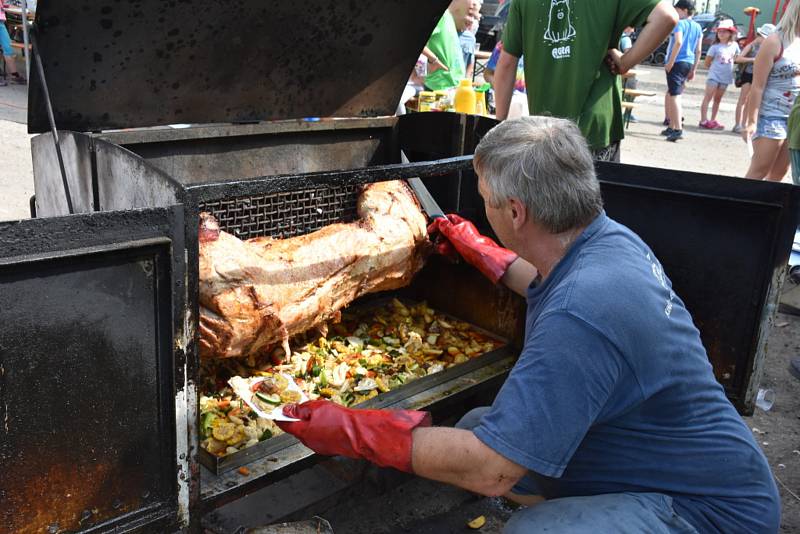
column 659, row 58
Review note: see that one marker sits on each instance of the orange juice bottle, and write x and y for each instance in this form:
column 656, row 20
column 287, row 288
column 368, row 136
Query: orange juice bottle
column 464, row 101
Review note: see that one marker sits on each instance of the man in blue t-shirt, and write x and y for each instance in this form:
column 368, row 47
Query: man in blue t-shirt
column 611, row 420
column 683, row 56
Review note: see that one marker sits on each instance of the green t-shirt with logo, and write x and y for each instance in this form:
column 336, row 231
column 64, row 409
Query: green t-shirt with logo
column 794, row 126
column 445, row 44
column 564, row 43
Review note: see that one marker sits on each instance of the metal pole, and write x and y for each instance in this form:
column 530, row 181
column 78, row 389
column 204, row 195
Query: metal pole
column 25, row 39
column 51, row 117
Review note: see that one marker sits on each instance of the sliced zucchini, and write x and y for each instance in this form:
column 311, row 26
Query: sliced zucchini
column 271, row 398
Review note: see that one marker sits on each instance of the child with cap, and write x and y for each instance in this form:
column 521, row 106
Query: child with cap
column 719, row 62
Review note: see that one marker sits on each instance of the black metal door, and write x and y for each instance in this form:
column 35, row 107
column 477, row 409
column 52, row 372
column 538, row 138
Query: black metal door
column 91, row 435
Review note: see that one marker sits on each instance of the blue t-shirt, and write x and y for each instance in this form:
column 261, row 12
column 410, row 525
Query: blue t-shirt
column 692, row 33
column 613, row 392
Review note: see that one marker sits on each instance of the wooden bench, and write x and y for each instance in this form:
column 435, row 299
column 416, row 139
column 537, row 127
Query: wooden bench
column 633, row 93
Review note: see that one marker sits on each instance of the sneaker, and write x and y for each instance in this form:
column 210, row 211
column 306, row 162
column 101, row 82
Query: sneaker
column 675, row 135
column 18, row 79
column 3, row 82
column 715, row 125
column 706, row 125
column 737, row 129
column 668, row 131
column 666, row 121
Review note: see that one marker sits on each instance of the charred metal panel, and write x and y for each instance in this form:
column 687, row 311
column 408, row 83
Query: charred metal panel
column 199, row 161
column 724, row 242
column 50, row 197
column 289, row 183
column 88, row 372
column 149, row 62
column 125, row 181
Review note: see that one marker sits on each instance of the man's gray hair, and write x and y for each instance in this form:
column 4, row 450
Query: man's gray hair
column 545, row 163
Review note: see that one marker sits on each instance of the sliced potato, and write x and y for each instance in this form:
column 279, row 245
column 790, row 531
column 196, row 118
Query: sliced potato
column 222, row 430
column 290, row 396
column 477, row 523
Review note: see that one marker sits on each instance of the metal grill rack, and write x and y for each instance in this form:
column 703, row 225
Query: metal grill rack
column 285, row 214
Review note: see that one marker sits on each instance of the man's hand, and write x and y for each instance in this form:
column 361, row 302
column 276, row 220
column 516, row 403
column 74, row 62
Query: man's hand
column 692, row 72
column 381, row 436
column 616, row 62
column 668, row 66
column 434, row 64
column 478, row 250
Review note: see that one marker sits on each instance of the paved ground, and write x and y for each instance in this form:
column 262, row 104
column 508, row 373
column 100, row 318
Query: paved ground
column 420, row 506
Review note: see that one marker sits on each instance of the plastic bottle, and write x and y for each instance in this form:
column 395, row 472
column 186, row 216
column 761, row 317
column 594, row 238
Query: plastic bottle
column 464, row 101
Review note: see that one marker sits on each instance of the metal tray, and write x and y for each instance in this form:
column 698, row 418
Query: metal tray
column 219, row 465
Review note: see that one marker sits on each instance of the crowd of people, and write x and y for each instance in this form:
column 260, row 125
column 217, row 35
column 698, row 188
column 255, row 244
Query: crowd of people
column 764, row 69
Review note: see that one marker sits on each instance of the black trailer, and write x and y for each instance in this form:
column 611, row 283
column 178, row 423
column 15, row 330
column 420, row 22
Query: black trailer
column 99, row 367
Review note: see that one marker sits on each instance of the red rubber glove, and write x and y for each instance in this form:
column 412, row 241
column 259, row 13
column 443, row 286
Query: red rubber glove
column 478, row 250
column 381, row 436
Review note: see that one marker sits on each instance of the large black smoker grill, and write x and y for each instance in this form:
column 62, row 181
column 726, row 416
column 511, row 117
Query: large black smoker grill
column 98, row 363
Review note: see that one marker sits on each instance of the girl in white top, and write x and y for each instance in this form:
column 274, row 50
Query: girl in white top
column 719, row 62
column 776, row 84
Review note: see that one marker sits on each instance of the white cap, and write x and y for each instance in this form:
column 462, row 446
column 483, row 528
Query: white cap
column 765, row 30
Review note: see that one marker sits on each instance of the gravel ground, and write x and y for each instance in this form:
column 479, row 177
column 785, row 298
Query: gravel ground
column 422, row 506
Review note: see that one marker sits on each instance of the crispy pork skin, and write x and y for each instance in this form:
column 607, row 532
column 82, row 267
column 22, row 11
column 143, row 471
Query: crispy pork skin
column 256, row 294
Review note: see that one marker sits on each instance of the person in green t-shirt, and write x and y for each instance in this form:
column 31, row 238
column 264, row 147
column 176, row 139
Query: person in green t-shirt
column 445, row 57
column 571, row 60
column 794, row 141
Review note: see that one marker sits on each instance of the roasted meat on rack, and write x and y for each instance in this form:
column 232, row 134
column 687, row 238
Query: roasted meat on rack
column 256, row 294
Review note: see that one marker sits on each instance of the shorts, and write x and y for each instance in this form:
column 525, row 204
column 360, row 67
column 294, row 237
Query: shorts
column 747, row 77
column 771, row 128
column 676, row 78
column 715, row 84
column 5, row 41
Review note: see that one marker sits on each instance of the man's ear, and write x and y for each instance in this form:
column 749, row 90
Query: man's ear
column 518, row 211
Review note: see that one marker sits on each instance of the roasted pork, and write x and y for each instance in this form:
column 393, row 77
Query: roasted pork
column 256, row 294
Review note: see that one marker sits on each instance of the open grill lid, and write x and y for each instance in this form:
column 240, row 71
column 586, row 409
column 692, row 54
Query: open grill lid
column 123, row 64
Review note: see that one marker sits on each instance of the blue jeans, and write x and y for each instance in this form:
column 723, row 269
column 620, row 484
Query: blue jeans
column 620, row 513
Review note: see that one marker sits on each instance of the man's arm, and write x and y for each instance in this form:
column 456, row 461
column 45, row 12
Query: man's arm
column 504, row 77
column 457, row 457
column 660, row 23
column 434, row 63
column 677, row 42
column 519, row 276
column 697, row 53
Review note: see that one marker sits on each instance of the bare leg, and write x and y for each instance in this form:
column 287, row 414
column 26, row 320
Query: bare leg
column 741, row 103
column 674, row 111
column 781, row 164
column 718, row 94
column 704, row 106
column 764, row 153
column 11, row 65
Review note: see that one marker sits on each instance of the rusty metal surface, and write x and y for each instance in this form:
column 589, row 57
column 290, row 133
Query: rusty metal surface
column 149, row 62
column 199, row 161
column 76, row 151
column 135, row 184
column 86, row 376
